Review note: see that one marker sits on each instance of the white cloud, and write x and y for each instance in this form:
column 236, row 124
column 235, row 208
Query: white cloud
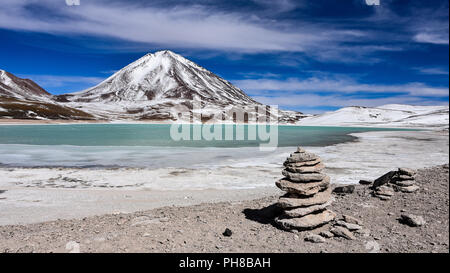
column 300, row 101
column 432, row 70
column 279, row 5
column 432, row 38
column 339, row 85
column 50, row 81
column 193, row 27
column 188, row 27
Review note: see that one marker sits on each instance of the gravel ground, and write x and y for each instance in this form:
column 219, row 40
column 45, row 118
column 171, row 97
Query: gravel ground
column 200, row 228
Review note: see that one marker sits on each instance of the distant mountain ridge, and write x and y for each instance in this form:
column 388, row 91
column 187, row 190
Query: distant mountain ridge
column 390, row 115
column 24, row 99
column 12, row 86
column 158, row 86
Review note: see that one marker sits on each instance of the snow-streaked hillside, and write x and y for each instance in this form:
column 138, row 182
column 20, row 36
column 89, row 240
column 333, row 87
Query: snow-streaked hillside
column 24, row 99
column 161, row 76
column 159, row 86
column 15, row 87
column 392, row 115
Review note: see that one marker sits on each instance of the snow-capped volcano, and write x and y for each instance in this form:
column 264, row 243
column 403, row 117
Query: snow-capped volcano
column 164, row 75
column 156, row 86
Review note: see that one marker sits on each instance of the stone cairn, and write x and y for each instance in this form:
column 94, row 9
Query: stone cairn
column 308, row 193
column 401, row 180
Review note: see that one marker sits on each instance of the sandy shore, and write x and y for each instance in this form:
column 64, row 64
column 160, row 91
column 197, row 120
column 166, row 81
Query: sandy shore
column 199, row 228
column 35, row 195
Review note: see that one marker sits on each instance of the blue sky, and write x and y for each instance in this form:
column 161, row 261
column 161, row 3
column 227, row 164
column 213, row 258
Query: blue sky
column 310, row 56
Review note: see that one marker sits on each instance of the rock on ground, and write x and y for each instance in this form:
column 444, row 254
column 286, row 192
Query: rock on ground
column 314, row 238
column 412, row 220
column 342, row 232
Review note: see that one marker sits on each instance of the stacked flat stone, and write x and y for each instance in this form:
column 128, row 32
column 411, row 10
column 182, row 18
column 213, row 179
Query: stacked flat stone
column 308, row 193
column 401, row 180
column 404, row 180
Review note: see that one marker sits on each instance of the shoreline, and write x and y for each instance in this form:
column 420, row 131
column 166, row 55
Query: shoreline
column 48, row 194
column 12, row 122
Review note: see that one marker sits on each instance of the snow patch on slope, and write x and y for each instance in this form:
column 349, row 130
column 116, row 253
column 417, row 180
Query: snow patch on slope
column 392, row 115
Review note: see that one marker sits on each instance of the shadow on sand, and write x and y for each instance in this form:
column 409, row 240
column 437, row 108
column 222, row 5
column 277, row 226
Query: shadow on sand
column 265, row 215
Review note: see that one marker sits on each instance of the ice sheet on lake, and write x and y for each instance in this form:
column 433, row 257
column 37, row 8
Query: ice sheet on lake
column 214, row 168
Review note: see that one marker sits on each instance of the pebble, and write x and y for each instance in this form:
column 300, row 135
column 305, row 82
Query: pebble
column 342, row 232
column 364, row 232
column 348, row 226
column 372, row 247
column 73, row 247
column 344, row 189
column 412, row 220
column 326, row 234
column 227, row 232
column 365, row 182
column 314, row 238
column 351, row 219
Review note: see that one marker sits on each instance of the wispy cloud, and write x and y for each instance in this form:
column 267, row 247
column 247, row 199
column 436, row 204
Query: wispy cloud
column 196, row 26
column 432, row 38
column 432, row 70
column 50, row 81
column 301, row 101
column 279, row 5
column 338, row 85
column 189, row 26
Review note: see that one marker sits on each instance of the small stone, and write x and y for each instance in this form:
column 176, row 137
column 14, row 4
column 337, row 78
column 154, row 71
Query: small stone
column 73, row 247
column 407, row 171
column 365, row 182
column 409, row 189
column 301, row 164
column 383, row 197
column 351, row 220
column 342, row 232
column 403, row 177
column 363, row 232
column 404, row 183
column 372, row 247
column 227, row 232
column 309, row 221
column 302, row 157
column 386, row 178
column 314, row 238
column 348, row 226
column 344, row 189
column 300, row 212
column 327, row 234
column 292, row 201
column 383, row 190
column 304, row 177
column 301, row 150
column 306, row 169
column 304, row 189
column 412, row 220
